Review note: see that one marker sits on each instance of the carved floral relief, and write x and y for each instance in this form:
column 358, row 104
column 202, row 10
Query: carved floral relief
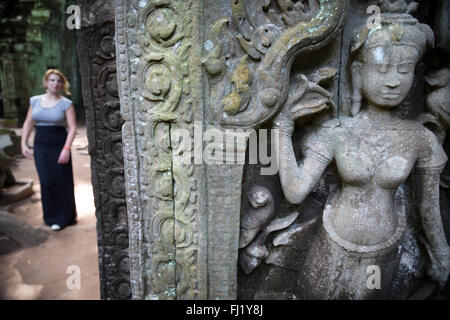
column 235, row 72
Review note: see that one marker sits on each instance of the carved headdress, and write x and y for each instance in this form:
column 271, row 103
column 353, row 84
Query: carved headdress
column 393, row 26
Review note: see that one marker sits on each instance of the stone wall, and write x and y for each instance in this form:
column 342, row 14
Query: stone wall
column 199, row 67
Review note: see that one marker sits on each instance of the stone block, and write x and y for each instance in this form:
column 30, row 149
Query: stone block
column 15, row 233
column 18, row 191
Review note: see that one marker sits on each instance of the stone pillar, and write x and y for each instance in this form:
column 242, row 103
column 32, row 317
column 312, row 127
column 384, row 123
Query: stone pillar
column 96, row 53
column 160, row 86
column 185, row 65
column 8, row 88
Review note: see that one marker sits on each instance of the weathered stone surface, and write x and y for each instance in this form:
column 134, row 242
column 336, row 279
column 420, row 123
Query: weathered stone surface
column 442, row 24
column 159, row 82
column 245, row 55
column 15, row 233
column 10, row 190
column 365, row 192
column 96, row 52
column 16, row 191
column 322, row 271
column 6, row 177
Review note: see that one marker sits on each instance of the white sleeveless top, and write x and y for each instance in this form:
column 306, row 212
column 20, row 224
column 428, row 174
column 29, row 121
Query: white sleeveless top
column 53, row 116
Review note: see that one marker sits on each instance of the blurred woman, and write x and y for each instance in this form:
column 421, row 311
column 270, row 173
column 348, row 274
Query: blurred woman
column 50, row 113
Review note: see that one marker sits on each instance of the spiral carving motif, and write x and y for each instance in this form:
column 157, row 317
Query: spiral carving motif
column 159, row 80
column 161, row 22
column 155, row 94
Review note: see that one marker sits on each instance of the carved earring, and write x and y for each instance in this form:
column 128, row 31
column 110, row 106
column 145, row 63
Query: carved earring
column 356, row 83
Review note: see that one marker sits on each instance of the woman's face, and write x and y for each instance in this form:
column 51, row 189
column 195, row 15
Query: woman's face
column 54, row 83
column 388, row 74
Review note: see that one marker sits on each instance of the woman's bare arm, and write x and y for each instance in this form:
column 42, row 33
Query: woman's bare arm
column 72, row 130
column 72, row 126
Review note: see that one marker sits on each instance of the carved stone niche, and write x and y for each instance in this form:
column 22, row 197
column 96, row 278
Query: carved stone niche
column 96, row 53
column 203, row 225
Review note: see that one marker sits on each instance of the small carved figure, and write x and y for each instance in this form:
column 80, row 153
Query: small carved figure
column 374, row 152
column 261, row 212
column 257, row 225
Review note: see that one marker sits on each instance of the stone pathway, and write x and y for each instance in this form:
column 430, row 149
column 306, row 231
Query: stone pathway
column 49, row 271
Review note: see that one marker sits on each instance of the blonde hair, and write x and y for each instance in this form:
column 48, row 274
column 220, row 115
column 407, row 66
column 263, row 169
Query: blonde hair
column 66, row 84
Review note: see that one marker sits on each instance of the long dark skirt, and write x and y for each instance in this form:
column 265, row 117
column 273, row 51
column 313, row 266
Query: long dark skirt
column 57, row 187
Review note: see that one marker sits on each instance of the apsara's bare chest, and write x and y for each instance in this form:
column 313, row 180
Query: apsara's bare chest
column 385, row 158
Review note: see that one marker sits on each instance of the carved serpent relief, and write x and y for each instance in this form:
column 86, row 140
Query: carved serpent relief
column 270, row 35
